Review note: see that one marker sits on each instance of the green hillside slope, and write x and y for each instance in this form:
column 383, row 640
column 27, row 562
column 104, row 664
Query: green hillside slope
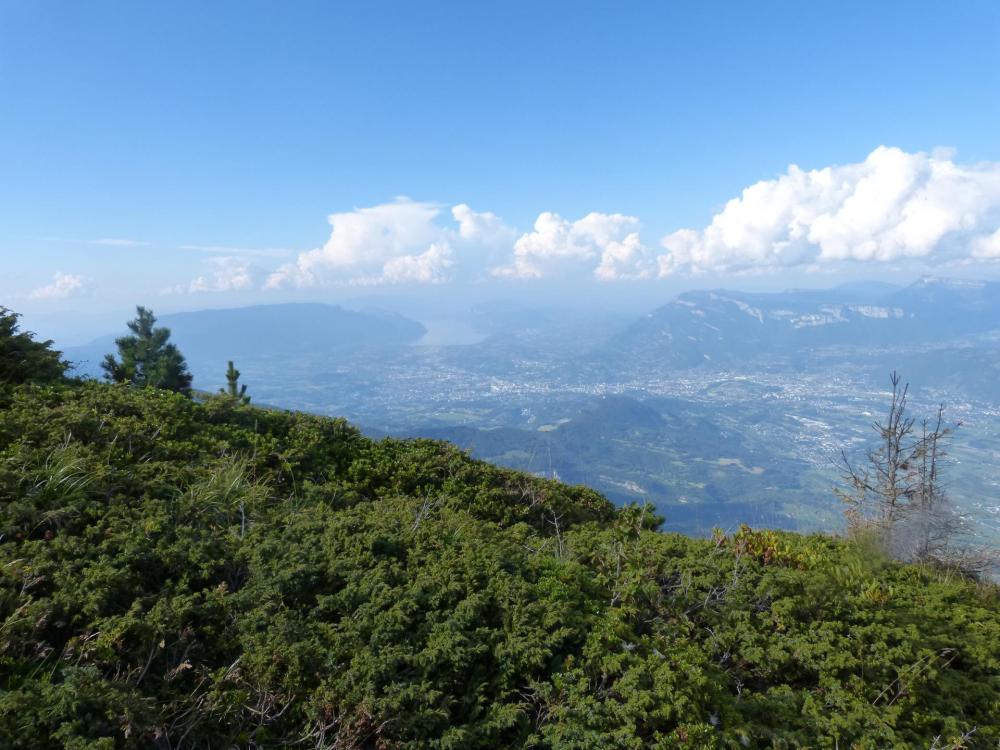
column 182, row 575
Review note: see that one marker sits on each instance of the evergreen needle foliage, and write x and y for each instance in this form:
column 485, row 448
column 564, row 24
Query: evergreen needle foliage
column 22, row 357
column 146, row 358
column 233, row 388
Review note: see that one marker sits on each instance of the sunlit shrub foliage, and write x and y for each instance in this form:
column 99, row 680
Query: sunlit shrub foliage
column 181, row 575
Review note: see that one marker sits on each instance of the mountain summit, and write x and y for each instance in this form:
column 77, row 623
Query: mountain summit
column 720, row 328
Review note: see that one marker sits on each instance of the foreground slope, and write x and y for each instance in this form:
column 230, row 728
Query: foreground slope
column 179, row 575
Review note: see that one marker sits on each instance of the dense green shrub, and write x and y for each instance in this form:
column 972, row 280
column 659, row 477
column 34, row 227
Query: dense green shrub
column 180, row 575
column 23, row 358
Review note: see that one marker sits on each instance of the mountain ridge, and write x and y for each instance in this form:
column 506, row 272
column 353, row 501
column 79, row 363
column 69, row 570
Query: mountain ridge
column 278, row 329
column 719, row 327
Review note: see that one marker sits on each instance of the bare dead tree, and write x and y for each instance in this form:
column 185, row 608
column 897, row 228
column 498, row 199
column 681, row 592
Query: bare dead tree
column 898, row 496
column 559, row 539
column 426, row 508
column 876, row 491
column 933, row 521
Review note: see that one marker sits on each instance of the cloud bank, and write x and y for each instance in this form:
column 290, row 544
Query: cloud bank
column 409, row 241
column 892, row 206
column 404, row 241
column 229, row 274
column 63, row 285
column 606, row 246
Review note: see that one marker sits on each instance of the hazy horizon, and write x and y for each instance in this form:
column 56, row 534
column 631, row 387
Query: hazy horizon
column 72, row 327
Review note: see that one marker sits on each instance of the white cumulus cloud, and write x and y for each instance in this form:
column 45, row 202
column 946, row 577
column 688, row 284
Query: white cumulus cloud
column 605, row 245
column 63, row 285
column 987, row 246
column 229, row 274
column 429, row 267
column 892, row 206
column 399, row 242
column 482, row 227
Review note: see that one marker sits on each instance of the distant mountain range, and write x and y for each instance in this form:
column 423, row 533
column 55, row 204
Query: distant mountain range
column 876, row 326
column 266, row 331
column 722, row 328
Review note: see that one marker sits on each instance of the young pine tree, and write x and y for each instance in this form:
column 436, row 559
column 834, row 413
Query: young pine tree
column 233, row 388
column 147, row 358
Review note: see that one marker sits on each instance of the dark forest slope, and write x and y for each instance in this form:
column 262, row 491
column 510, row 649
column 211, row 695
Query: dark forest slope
column 177, row 575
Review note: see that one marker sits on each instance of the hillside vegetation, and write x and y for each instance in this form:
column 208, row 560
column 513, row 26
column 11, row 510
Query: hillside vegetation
column 176, row 574
column 179, row 574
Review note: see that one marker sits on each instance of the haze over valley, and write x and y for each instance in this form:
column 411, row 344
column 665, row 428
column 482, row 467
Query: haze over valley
column 719, row 407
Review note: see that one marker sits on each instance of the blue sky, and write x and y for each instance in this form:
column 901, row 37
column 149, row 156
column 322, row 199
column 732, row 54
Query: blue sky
column 190, row 154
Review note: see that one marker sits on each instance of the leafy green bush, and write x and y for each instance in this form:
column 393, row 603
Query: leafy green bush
column 180, row 575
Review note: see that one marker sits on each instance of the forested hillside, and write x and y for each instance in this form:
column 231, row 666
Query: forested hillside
column 182, row 575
